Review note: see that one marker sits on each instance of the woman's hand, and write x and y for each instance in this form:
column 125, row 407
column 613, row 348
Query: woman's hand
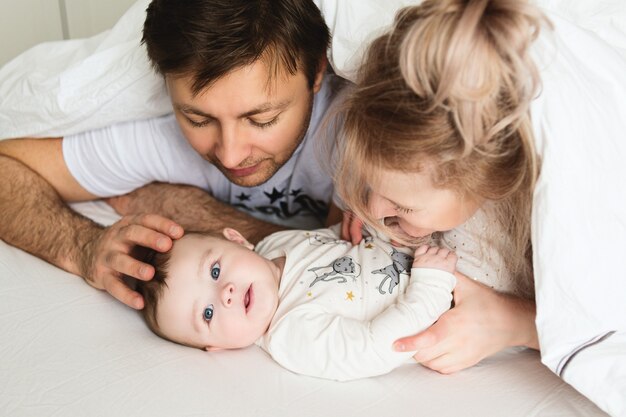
column 481, row 323
column 351, row 228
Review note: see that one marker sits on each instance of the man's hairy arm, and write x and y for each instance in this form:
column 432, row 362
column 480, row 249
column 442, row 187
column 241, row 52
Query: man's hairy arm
column 35, row 219
column 33, row 193
column 192, row 208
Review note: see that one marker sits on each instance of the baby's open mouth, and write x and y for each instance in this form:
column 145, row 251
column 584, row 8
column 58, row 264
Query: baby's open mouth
column 247, row 299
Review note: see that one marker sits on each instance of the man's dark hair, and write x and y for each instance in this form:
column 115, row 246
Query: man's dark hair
column 207, row 39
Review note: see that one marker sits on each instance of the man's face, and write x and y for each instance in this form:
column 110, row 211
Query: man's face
column 245, row 125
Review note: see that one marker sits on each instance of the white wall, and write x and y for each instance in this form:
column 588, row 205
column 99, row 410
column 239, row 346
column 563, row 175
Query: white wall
column 88, row 17
column 25, row 23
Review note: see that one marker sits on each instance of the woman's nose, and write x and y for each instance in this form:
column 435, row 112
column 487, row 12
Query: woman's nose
column 228, row 292
column 379, row 207
column 412, row 230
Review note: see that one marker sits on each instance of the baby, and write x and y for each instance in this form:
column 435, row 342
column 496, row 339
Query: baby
column 318, row 305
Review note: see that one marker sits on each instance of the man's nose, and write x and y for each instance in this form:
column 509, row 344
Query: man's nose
column 232, row 147
column 227, row 295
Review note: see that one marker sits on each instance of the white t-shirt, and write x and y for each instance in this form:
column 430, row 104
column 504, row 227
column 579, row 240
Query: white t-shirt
column 341, row 307
column 120, row 158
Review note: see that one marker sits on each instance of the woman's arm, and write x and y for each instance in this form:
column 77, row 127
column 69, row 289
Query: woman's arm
column 482, row 322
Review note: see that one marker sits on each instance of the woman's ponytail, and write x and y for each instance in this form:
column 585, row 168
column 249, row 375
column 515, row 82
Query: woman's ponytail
column 472, row 56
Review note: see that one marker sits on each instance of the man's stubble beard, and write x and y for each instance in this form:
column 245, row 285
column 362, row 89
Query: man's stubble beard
column 273, row 166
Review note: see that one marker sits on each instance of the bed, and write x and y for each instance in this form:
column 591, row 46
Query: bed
column 68, row 350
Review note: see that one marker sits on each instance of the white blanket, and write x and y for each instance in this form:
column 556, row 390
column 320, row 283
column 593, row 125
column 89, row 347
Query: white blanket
column 579, row 219
column 68, row 350
column 90, row 83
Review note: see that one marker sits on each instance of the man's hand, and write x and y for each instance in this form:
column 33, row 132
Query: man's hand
column 137, row 201
column 108, row 256
column 37, row 220
column 191, row 208
column 481, row 323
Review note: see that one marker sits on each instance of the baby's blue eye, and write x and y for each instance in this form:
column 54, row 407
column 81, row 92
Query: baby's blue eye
column 208, row 312
column 215, row 271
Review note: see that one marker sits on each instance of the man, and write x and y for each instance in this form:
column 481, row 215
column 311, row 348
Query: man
column 242, row 76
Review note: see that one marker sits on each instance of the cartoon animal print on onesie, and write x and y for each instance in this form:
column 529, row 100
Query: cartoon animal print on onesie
column 401, row 264
column 337, row 270
column 319, row 240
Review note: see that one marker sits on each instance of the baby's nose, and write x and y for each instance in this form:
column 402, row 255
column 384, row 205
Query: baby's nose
column 228, row 293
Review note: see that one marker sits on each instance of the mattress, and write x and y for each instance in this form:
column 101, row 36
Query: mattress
column 69, row 350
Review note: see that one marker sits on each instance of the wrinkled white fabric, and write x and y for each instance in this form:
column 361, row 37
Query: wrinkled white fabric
column 579, row 214
column 579, row 121
column 90, row 83
column 65, row 87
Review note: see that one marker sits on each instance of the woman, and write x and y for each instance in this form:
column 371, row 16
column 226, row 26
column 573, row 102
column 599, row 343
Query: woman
column 484, row 118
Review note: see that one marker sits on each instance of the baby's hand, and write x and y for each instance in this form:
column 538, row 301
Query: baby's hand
column 434, row 257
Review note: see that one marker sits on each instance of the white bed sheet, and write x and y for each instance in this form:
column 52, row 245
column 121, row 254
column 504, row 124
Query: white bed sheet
column 68, row 350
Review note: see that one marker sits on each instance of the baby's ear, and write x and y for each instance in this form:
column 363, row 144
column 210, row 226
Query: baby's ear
column 212, row 349
column 235, row 236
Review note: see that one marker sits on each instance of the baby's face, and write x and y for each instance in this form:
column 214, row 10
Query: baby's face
column 219, row 294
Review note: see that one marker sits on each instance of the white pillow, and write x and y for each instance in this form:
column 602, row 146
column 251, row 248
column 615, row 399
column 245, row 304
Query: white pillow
column 66, row 87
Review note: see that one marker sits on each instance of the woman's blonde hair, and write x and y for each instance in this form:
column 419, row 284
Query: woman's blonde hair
column 448, row 91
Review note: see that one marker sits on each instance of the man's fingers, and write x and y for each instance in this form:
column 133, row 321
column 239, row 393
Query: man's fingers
column 127, row 265
column 144, row 236
column 118, row 289
column 159, row 224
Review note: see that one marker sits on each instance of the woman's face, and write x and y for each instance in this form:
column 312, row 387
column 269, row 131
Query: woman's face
column 412, row 207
